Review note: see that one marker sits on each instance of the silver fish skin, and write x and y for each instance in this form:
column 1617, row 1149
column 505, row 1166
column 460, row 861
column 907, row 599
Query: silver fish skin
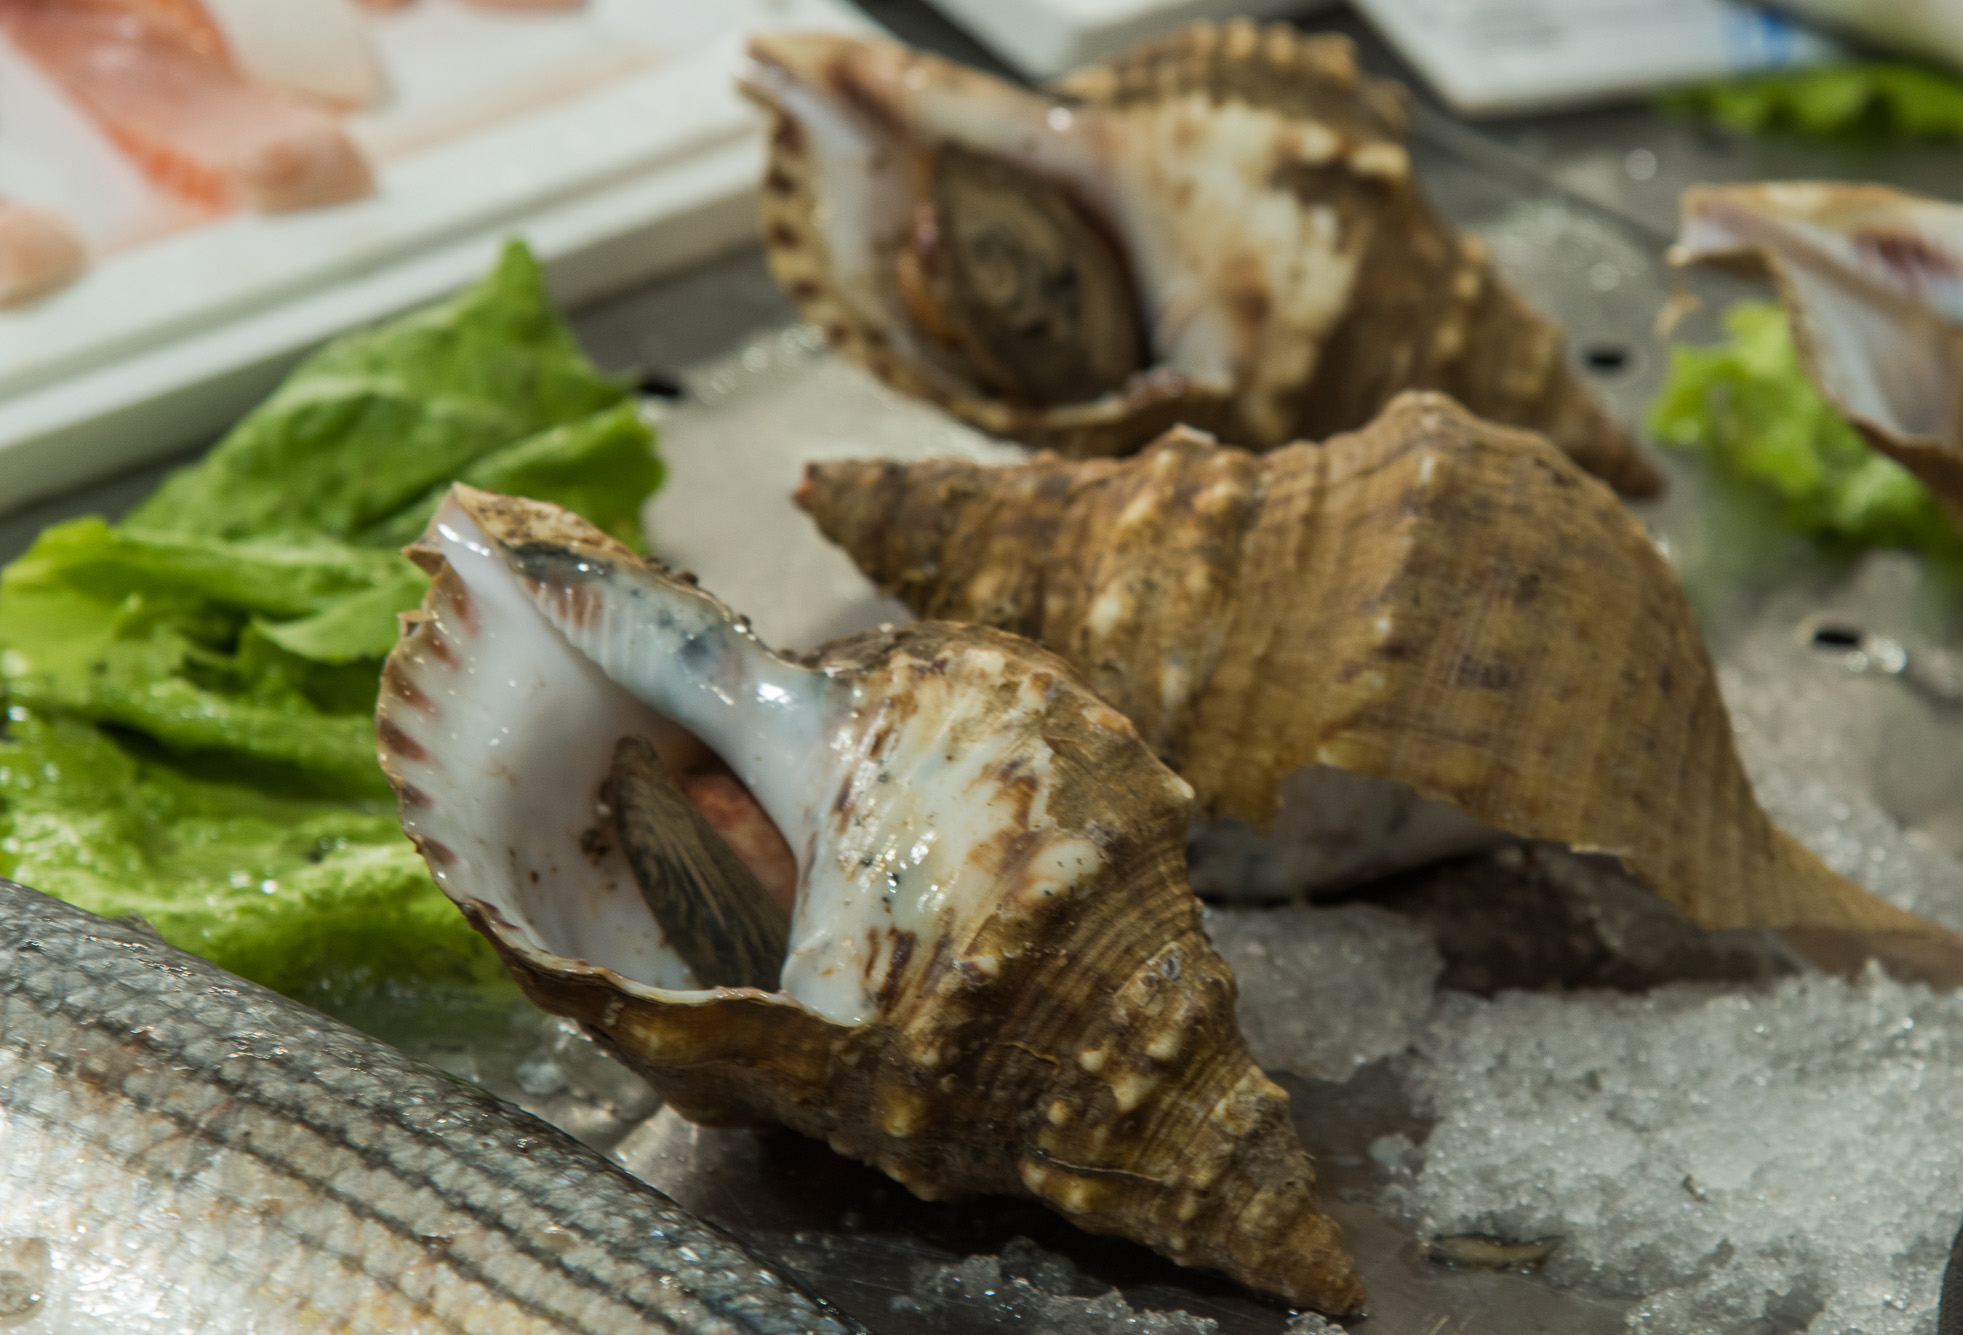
column 184, row 1151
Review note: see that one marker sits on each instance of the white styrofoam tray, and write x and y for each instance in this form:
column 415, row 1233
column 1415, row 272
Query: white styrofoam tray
column 611, row 137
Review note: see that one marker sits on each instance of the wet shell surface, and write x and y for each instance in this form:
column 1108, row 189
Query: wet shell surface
column 996, row 979
column 1872, row 280
column 1220, row 229
column 1428, row 636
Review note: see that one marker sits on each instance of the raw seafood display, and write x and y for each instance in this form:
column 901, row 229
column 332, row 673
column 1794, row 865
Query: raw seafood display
column 187, row 1151
column 996, row 979
column 1220, row 229
column 181, row 111
column 1872, row 280
column 1424, row 637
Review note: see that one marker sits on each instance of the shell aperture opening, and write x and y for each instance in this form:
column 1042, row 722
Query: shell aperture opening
column 534, row 658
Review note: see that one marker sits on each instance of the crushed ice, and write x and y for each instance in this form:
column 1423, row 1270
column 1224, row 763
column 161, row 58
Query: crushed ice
column 1028, row 1289
column 1365, row 964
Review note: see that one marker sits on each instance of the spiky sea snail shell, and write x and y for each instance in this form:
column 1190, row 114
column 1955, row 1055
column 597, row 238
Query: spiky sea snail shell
column 997, row 981
column 1220, row 229
column 1419, row 638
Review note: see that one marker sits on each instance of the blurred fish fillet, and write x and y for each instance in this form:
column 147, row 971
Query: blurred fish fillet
column 39, row 251
column 184, row 114
column 183, row 1150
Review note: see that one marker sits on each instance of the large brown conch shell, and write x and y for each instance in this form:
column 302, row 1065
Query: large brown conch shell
column 996, row 981
column 1437, row 629
column 1872, row 280
column 1219, row 229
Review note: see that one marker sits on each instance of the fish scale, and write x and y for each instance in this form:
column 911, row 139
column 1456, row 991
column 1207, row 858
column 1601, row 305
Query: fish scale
column 181, row 1150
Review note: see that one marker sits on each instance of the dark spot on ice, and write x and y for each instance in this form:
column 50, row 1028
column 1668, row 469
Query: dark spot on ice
column 1605, row 358
column 659, row 384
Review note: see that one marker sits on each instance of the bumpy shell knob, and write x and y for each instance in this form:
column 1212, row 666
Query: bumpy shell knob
column 1434, row 602
column 997, row 981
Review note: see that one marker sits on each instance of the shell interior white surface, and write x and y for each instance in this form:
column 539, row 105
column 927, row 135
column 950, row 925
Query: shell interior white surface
column 906, row 796
column 514, row 748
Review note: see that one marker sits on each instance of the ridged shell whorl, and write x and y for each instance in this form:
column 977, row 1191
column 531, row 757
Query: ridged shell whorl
column 996, row 979
column 1220, row 229
column 1434, row 603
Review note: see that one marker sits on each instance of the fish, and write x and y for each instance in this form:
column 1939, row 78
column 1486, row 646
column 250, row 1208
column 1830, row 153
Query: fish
column 190, row 121
column 184, row 1150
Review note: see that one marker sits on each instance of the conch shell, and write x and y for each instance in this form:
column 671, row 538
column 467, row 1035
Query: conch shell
column 997, row 980
column 1220, row 229
column 1872, row 280
column 1436, row 627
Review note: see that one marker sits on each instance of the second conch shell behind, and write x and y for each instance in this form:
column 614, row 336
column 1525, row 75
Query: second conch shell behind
column 1422, row 638
column 1220, row 229
column 995, row 978
column 1872, row 279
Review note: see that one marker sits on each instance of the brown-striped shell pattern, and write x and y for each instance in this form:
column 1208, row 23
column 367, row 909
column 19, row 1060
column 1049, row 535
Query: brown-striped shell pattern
column 1221, row 229
column 996, row 981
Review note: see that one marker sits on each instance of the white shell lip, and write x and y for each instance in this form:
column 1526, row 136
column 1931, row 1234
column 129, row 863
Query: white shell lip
column 499, row 712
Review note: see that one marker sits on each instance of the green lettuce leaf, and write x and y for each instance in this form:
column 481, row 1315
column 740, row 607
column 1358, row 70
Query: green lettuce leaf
column 289, row 892
column 1869, row 97
column 192, row 692
column 600, row 467
column 369, row 424
column 1748, row 405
